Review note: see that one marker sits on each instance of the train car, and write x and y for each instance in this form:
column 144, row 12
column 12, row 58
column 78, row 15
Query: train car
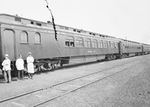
column 71, row 46
column 86, row 46
column 130, row 48
column 20, row 36
column 145, row 49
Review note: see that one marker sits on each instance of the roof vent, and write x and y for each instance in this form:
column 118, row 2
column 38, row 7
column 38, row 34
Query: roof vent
column 38, row 24
column 17, row 18
column 48, row 21
column 32, row 22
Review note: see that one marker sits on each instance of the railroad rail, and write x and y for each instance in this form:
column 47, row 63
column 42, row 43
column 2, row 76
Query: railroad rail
column 87, row 84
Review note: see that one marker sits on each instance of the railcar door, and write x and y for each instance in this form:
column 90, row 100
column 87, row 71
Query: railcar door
column 120, row 47
column 8, row 43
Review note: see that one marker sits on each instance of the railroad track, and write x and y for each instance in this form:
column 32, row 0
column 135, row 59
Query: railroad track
column 63, row 92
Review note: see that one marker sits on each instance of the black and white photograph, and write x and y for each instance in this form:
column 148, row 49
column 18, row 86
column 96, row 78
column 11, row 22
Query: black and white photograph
column 74, row 53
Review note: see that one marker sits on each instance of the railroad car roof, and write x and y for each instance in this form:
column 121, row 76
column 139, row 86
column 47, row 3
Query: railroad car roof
column 15, row 19
column 30, row 22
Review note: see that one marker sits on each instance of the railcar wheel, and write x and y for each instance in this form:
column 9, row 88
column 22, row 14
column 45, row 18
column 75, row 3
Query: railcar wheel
column 61, row 64
column 115, row 57
column 108, row 58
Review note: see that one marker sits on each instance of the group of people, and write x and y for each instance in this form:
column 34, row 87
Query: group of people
column 19, row 65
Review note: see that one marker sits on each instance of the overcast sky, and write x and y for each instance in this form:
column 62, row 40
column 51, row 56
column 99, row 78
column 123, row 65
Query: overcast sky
column 120, row 18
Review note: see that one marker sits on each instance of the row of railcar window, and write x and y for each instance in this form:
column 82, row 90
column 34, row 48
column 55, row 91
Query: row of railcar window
column 24, row 37
column 79, row 42
column 130, row 45
column 88, row 43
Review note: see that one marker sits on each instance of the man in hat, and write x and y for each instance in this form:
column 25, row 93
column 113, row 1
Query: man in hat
column 30, row 65
column 20, row 67
column 7, row 69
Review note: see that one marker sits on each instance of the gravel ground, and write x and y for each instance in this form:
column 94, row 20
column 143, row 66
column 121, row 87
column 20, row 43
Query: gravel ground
column 127, row 89
column 50, row 78
column 130, row 88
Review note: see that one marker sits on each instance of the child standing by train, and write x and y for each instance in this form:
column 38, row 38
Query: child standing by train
column 20, row 67
column 7, row 69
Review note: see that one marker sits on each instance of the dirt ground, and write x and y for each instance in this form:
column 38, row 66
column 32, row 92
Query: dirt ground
column 130, row 88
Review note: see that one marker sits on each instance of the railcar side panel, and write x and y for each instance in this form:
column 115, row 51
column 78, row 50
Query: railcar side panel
column 1, row 54
column 45, row 48
column 8, row 43
column 146, row 49
column 20, row 36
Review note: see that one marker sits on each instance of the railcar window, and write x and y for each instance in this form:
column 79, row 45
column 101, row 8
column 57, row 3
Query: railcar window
column 94, row 43
column 100, row 44
column 37, row 38
column 109, row 44
column 113, row 44
column 72, row 44
column 79, row 42
column 106, row 44
column 69, row 42
column 129, row 45
column 87, row 43
column 24, row 37
column 126, row 46
column 116, row 45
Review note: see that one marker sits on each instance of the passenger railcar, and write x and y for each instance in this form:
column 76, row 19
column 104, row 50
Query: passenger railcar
column 130, row 48
column 145, row 49
column 20, row 35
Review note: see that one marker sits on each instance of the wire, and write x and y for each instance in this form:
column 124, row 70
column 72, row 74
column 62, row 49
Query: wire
column 52, row 20
column 54, row 26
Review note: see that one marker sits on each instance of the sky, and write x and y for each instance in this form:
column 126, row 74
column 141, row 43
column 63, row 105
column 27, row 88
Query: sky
column 127, row 19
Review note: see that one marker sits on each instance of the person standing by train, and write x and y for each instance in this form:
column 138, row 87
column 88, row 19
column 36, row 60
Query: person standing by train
column 20, row 67
column 30, row 65
column 7, row 69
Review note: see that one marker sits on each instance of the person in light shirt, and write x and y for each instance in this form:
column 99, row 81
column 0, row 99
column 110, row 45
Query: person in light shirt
column 20, row 67
column 7, row 69
column 30, row 65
